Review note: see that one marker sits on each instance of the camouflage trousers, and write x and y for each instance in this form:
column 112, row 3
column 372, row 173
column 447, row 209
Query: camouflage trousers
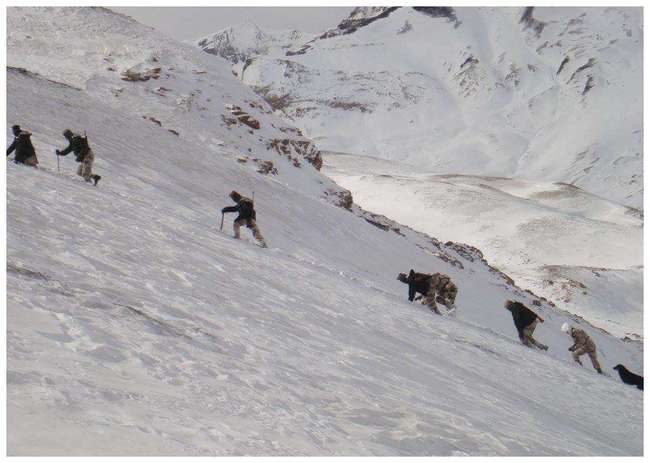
column 85, row 168
column 250, row 223
column 444, row 293
column 592, row 356
column 527, row 337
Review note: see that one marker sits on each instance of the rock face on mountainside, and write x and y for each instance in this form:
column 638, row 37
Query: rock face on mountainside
column 537, row 93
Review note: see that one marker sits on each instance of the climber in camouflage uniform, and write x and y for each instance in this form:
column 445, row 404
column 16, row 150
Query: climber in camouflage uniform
column 582, row 344
column 433, row 288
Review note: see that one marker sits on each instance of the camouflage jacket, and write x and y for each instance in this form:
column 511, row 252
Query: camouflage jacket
column 581, row 340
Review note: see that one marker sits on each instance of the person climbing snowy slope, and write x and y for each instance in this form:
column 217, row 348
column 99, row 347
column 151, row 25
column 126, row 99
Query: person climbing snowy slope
column 22, row 144
column 83, row 154
column 246, row 216
column 433, row 288
column 582, row 344
column 525, row 322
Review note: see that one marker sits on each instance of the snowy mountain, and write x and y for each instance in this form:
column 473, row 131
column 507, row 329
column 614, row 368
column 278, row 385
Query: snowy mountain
column 136, row 327
column 546, row 94
column 515, row 130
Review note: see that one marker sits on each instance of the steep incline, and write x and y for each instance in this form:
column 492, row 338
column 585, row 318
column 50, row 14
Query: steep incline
column 134, row 323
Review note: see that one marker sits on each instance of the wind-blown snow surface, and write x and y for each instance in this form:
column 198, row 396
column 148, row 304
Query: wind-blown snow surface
column 547, row 94
column 135, row 327
column 581, row 251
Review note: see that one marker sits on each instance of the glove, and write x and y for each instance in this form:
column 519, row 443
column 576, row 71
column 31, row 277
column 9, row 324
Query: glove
column 571, row 349
column 57, row 152
column 223, row 211
column 541, row 320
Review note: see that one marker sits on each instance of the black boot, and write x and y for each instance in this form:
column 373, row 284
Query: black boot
column 97, row 178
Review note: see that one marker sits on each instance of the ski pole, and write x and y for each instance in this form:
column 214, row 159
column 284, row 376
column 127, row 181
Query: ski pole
column 221, row 226
column 58, row 167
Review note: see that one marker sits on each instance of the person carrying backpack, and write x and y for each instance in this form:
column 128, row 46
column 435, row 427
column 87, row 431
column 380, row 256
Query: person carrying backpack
column 246, row 216
column 22, row 144
column 436, row 287
column 525, row 322
column 83, row 154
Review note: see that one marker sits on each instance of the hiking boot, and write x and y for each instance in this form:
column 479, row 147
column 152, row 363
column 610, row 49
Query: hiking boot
column 97, row 178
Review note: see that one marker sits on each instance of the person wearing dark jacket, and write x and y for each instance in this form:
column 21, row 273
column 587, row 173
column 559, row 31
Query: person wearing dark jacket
column 83, row 154
column 433, row 288
column 525, row 322
column 246, row 216
column 22, row 144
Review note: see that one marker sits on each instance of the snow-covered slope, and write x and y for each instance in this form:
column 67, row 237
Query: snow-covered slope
column 546, row 93
column 579, row 250
column 135, row 327
column 545, row 99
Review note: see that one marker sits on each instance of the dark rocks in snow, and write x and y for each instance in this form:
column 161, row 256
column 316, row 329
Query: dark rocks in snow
column 405, row 28
column 564, row 63
column 153, row 119
column 267, row 167
column 139, row 74
column 306, row 149
column 589, row 85
column 530, row 22
column 174, row 132
column 362, row 16
column 243, row 117
column 470, row 60
column 584, row 67
column 342, row 198
column 439, row 12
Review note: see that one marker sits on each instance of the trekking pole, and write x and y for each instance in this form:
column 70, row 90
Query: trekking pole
column 58, row 167
column 221, row 226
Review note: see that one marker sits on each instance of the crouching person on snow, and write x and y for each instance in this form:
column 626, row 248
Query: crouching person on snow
column 246, row 216
column 433, row 288
column 83, row 154
column 525, row 322
column 582, row 344
column 22, row 144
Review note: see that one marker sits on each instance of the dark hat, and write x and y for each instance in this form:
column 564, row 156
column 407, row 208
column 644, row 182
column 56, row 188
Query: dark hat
column 67, row 133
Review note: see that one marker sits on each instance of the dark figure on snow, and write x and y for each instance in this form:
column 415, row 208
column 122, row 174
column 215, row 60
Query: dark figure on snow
column 433, row 288
column 525, row 322
column 246, row 216
column 22, row 144
column 628, row 377
column 83, row 154
column 582, row 344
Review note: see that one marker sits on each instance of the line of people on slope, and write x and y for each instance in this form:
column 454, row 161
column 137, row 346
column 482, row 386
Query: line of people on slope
column 26, row 154
column 78, row 144
column 438, row 287
column 433, row 288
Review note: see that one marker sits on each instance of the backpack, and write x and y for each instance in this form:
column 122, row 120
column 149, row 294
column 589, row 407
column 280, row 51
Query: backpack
column 83, row 142
column 246, row 210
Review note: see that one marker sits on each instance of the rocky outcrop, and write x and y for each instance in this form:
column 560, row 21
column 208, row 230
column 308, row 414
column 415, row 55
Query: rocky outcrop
column 140, row 73
column 341, row 197
column 530, row 22
column 303, row 148
column 243, row 117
